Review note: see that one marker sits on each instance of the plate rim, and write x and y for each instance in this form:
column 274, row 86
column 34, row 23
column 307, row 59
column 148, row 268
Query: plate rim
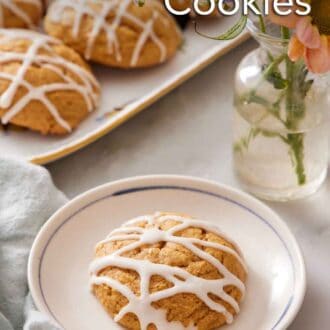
column 291, row 310
column 113, row 123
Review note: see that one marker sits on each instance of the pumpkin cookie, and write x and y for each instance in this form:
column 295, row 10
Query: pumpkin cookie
column 117, row 33
column 20, row 13
column 165, row 268
column 44, row 85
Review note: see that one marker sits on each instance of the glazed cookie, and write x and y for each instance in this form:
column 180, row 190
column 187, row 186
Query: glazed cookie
column 44, row 85
column 117, row 33
column 20, row 13
column 164, row 268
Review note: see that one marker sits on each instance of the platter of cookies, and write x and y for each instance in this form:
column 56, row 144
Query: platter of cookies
column 167, row 252
column 73, row 70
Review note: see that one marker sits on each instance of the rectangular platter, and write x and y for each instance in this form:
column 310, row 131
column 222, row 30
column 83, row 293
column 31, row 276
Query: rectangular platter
column 124, row 94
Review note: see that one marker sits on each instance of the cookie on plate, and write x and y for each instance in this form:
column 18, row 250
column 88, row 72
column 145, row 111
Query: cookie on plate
column 166, row 267
column 20, row 13
column 44, row 85
column 118, row 33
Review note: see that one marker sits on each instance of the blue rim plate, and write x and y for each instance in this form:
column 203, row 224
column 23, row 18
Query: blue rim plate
column 63, row 249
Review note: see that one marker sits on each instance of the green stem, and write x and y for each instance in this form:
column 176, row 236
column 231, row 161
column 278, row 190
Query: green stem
column 295, row 140
column 262, row 24
column 296, row 143
column 293, row 94
column 274, row 64
column 285, row 33
column 271, row 109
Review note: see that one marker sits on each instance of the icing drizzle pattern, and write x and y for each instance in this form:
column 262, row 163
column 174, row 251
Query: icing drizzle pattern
column 182, row 280
column 99, row 13
column 13, row 6
column 40, row 53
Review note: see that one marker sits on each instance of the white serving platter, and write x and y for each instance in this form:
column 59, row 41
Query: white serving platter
column 61, row 254
column 124, row 94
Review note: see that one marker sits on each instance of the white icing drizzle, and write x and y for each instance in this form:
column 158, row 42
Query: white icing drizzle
column 182, row 280
column 13, row 6
column 99, row 14
column 40, row 53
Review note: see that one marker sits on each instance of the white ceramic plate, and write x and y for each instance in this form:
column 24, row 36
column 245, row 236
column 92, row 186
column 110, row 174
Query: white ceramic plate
column 59, row 260
column 124, row 94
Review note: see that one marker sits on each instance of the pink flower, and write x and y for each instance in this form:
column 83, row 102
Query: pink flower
column 307, row 43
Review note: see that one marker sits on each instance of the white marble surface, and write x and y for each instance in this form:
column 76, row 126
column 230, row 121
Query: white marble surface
column 189, row 132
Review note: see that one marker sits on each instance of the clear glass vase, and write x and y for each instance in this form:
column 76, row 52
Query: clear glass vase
column 280, row 123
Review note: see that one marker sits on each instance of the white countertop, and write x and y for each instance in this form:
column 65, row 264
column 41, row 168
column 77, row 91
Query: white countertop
column 189, row 132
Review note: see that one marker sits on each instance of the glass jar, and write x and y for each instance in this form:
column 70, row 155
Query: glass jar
column 280, row 123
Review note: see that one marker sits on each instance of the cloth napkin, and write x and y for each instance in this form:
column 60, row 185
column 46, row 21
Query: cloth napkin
column 28, row 198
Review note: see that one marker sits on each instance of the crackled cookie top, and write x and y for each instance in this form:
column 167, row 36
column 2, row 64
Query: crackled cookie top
column 167, row 267
column 20, row 13
column 41, row 80
column 115, row 32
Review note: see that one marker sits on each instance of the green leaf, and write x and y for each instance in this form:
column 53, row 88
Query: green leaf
column 232, row 33
column 269, row 134
column 275, row 78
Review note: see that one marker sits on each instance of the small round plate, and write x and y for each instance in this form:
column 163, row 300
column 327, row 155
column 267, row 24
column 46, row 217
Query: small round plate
column 60, row 257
